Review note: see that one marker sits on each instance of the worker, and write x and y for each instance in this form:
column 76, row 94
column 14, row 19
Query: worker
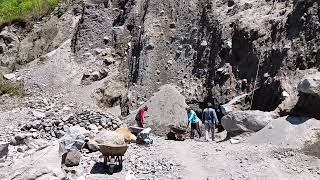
column 209, row 117
column 140, row 116
column 194, row 120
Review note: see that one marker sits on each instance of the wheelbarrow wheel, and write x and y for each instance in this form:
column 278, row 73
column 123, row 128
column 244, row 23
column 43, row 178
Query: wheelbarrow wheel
column 112, row 165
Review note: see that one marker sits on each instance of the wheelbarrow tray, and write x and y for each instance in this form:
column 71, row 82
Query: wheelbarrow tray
column 113, row 150
column 179, row 130
column 136, row 130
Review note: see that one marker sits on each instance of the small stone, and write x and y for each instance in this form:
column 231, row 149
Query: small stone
column 4, row 149
column 22, row 149
column 11, row 76
column 59, row 134
column 93, row 146
column 106, row 39
column 38, row 114
column 93, row 127
column 95, row 76
column 204, row 43
column 47, row 129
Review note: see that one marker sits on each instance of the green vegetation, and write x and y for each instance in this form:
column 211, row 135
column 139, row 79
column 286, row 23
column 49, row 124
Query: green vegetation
column 12, row 88
column 22, row 10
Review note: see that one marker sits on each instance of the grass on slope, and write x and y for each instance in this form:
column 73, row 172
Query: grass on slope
column 11, row 88
column 22, row 10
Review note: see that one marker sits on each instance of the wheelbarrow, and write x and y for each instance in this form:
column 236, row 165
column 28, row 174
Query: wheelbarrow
column 136, row 130
column 113, row 155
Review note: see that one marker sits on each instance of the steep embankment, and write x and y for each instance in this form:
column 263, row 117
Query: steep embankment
column 219, row 48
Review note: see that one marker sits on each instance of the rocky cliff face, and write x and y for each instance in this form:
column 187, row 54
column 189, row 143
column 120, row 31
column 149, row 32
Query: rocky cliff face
column 221, row 48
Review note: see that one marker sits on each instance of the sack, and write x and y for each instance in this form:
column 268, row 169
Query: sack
column 125, row 132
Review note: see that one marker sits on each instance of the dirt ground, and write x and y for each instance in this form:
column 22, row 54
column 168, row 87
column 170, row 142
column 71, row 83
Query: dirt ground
column 196, row 159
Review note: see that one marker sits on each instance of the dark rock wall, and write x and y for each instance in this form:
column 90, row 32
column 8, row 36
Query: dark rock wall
column 207, row 48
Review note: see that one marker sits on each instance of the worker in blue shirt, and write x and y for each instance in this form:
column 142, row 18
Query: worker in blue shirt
column 194, row 121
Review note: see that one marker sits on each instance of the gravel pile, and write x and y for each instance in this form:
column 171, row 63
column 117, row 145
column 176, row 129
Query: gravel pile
column 147, row 162
column 53, row 127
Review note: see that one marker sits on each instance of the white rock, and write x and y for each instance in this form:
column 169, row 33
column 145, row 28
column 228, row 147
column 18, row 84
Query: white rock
column 45, row 163
column 38, row 114
column 10, row 76
column 246, row 121
column 93, row 127
column 285, row 94
column 204, row 43
column 234, row 141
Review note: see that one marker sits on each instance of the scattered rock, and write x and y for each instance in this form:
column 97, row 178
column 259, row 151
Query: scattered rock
column 38, row 114
column 4, row 149
column 11, row 76
column 93, row 146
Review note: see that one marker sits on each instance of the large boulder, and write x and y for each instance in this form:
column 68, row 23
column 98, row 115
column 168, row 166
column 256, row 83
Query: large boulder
column 166, row 109
column 246, row 121
column 309, row 97
column 43, row 164
column 310, row 85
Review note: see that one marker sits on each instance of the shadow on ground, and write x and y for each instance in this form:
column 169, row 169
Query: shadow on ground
column 296, row 120
column 102, row 168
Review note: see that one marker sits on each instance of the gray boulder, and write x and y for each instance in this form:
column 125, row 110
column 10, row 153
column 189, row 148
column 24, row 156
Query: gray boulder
column 310, row 85
column 4, row 149
column 166, row 109
column 72, row 158
column 73, row 139
column 45, row 163
column 246, row 121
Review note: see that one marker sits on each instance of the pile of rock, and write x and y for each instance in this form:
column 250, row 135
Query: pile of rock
column 50, row 127
column 94, row 120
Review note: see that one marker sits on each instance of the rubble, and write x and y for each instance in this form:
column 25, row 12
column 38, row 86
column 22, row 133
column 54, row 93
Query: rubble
column 56, row 128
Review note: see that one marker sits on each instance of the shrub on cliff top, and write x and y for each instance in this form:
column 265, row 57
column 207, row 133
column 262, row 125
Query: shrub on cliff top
column 23, row 10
